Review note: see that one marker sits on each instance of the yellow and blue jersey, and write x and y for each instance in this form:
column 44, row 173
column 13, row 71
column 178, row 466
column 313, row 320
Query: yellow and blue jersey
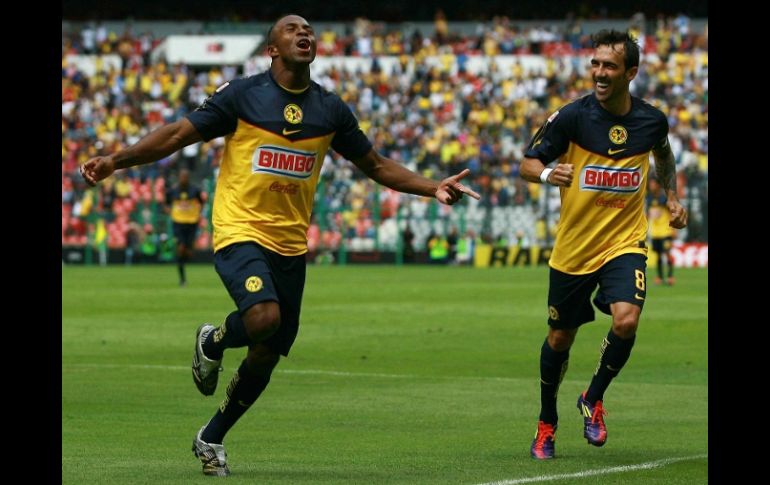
column 603, row 212
column 660, row 217
column 275, row 143
column 185, row 204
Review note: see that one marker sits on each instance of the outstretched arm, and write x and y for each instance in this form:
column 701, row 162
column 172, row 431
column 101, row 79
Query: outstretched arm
column 152, row 147
column 665, row 168
column 387, row 172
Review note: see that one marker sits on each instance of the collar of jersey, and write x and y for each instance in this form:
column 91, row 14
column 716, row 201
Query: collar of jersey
column 292, row 91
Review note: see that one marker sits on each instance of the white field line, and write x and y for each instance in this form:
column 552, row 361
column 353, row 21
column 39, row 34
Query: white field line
column 598, row 471
column 322, row 372
column 296, row 371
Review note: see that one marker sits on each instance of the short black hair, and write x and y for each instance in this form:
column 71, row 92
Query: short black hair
column 612, row 37
column 268, row 39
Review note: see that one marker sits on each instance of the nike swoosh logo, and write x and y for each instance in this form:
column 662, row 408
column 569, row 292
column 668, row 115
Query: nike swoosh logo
column 636, row 295
column 290, row 132
column 612, row 152
column 610, row 368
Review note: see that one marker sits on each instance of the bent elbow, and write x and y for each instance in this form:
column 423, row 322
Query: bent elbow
column 529, row 170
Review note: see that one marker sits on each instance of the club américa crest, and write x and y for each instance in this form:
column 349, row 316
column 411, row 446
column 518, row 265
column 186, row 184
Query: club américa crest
column 293, row 114
column 618, row 135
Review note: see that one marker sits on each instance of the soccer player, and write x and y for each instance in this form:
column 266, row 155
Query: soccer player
column 661, row 233
column 184, row 202
column 602, row 141
column 278, row 126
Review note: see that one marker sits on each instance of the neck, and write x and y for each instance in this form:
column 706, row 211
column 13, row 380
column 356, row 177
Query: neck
column 619, row 106
column 291, row 77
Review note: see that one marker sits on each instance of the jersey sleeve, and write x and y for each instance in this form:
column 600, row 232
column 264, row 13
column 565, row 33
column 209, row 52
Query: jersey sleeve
column 218, row 114
column 662, row 136
column 552, row 139
column 349, row 141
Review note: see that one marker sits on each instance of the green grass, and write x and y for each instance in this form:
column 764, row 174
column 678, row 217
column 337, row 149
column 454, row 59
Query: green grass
column 418, row 375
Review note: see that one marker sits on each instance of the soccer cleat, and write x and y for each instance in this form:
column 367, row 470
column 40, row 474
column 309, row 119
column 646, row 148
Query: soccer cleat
column 205, row 371
column 543, row 444
column 658, row 280
column 213, row 456
column 594, row 429
column 670, row 281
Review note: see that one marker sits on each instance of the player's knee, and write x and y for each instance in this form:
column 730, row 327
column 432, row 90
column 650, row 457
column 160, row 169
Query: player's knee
column 262, row 320
column 625, row 325
column 560, row 340
column 261, row 360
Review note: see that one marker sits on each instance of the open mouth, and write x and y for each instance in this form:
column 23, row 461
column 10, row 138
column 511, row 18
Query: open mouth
column 304, row 44
column 602, row 86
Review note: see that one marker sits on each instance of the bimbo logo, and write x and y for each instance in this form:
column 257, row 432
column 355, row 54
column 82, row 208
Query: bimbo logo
column 282, row 161
column 610, row 179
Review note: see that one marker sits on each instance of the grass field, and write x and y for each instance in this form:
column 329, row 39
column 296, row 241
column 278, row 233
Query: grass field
column 414, row 375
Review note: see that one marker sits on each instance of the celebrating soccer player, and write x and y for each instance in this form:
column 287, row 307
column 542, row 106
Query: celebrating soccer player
column 602, row 141
column 278, row 126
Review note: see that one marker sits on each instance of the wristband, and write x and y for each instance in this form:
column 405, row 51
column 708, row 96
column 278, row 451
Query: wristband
column 544, row 174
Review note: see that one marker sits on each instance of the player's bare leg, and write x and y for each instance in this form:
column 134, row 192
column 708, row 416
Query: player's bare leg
column 183, row 254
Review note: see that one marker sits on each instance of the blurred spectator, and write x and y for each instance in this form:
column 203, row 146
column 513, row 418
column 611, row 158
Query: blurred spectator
column 408, row 238
column 438, row 249
column 133, row 240
column 452, row 240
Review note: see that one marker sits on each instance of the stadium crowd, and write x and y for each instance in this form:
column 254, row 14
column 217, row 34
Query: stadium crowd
column 437, row 118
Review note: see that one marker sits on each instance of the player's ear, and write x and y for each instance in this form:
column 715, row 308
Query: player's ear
column 631, row 73
column 272, row 50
